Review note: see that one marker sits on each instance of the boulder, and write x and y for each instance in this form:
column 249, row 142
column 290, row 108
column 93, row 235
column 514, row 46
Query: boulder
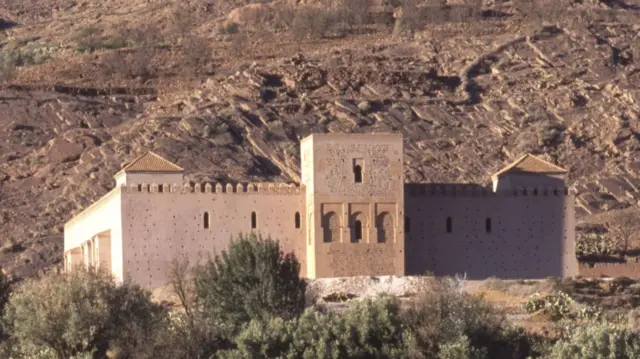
column 62, row 151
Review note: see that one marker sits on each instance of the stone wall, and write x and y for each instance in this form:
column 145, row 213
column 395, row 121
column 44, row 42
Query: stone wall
column 355, row 190
column 469, row 229
column 159, row 227
column 631, row 270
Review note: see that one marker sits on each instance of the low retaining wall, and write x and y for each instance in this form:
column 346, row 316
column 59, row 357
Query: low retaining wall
column 631, row 270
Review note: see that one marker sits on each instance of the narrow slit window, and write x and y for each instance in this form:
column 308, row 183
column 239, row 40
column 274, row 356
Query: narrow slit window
column 357, row 231
column 206, row 220
column 449, row 225
column 139, row 188
column 297, row 219
column 357, row 173
column 407, row 224
column 160, row 188
column 254, row 220
column 487, row 225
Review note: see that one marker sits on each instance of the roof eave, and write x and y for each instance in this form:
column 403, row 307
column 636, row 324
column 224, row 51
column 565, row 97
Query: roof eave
column 497, row 175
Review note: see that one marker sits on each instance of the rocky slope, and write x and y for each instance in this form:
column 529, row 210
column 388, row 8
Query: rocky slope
column 468, row 98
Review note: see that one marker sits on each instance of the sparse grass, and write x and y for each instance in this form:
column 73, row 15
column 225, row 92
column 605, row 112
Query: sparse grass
column 22, row 52
column 103, row 43
column 197, row 54
column 313, row 23
column 228, row 27
column 523, row 287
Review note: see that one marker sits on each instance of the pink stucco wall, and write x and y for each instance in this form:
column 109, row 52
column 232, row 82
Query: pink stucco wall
column 404, row 226
column 159, row 227
column 531, row 236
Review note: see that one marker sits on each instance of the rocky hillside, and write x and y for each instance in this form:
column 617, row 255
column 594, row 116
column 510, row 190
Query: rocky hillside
column 469, row 97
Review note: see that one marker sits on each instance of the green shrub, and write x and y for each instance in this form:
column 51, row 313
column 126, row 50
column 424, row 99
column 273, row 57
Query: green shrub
column 594, row 245
column 229, row 27
column 598, row 341
column 558, row 304
column 448, row 322
column 81, row 312
column 91, row 44
column 367, row 329
column 23, row 53
column 251, row 279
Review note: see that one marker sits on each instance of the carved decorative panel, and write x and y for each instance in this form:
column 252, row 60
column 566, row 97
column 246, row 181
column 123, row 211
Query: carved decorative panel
column 376, row 176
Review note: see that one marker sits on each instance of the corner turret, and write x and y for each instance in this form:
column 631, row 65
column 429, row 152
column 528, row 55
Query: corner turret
column 149, row 168
column 529, row 171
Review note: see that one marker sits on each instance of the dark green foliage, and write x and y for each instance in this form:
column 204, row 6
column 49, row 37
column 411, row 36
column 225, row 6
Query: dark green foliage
column 251, row 280
column 368, row 329
column 598, row 341
column 81, row 312
column 449, row 322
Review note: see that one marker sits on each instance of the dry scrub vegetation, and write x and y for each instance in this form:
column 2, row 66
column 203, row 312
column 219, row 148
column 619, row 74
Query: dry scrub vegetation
column 249, row 302
column 178, row 46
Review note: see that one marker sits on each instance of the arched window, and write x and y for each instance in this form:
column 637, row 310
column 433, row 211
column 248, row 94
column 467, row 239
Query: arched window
column 357, row 173
column 254, row 220
column 384, row 224
column 407, row 224
column 449, row 225
column 160, row 188
column 357, row 231
column 297, row 219
column 331, row 227
column 206, row 220
column 487, row 225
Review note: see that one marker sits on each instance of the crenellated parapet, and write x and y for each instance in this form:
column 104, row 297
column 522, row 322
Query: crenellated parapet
column 475, row 190
column 446, row 189
column 270, row 188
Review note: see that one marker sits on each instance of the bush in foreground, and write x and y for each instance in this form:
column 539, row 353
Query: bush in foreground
column 367, row 329
column 78, row 314
column 599, row 341
column 451, row 323
column 251, row 280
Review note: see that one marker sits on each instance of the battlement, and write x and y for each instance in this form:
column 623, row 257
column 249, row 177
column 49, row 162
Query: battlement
column 269, row 188
column 476, row 190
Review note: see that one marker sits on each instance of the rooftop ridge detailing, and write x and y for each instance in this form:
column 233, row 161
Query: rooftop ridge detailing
column 469, row 190
column 216, row 188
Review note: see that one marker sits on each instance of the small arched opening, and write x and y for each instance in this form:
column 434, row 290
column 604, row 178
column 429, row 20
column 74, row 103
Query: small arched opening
column 357, row 173
column 205, row 219
column 449, row 225
column 297, row 219
column 254, row 220
column 357, row 231
column 487, row 225
column 331, row 227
